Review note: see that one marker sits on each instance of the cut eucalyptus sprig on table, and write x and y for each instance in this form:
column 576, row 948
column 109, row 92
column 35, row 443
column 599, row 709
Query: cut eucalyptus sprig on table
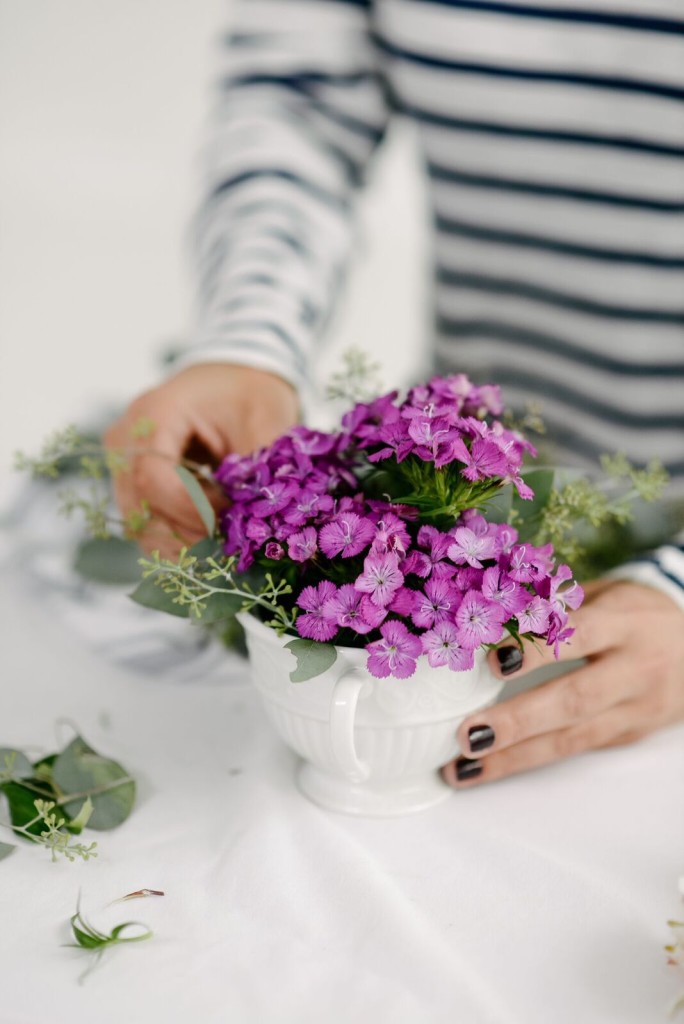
column 53, row 799
column 96, row 942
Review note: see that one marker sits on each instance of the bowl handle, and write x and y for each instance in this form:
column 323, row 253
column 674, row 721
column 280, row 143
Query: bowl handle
column 345, row 697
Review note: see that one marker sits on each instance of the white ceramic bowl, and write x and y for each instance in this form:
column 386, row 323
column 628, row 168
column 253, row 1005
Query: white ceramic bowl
column 369, row 746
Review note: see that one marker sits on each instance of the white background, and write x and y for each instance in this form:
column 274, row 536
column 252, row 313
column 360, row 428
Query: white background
column 102, row 107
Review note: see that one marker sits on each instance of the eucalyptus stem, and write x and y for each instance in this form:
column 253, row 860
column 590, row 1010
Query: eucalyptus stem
column 106, row 787
column 200, row 588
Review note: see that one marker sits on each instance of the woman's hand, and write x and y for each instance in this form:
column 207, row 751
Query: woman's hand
column 632, row 637
column 202, row 413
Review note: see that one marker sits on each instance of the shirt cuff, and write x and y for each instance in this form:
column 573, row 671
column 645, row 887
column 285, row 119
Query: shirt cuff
column 663, row 570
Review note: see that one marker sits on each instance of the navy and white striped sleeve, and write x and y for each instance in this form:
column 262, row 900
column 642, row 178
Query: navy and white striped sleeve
column 662, row 569
column 301, row 109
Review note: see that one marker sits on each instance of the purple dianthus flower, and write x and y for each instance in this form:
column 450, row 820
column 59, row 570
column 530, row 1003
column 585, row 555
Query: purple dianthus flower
column 346, row 535
column 303, row 545
column 534, row 618
column 479, row 621
column 381, row 578
column 438, row 602
column 442, row 647
column 394, row 655
column 319, row 621
column 468, row 546
column 349, row 606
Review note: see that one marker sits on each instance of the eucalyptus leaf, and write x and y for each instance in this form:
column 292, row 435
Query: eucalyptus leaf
column 199, row 499
column 529, row 512
column 150, row 595
column 80, row 769
column 43, row 769
column 219, row 607
column 208, row 547
column 20, row 802
column 17, row 763
column 499, row 506
column 313, row 658
column 6, row 849
column 112, row 560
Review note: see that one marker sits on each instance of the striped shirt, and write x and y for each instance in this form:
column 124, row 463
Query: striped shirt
column 553, row 140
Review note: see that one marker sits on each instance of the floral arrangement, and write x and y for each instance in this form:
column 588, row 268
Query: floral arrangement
column 380, row 530
column 413, row 530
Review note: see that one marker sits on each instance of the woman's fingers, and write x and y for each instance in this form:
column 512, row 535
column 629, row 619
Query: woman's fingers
column 596, row 627
column 619, row 725
column 631, row 684
column 563, row 701
column 200, row 414
column 149, row 475
column 568, row 700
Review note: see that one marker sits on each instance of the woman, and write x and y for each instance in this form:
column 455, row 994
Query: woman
column 553, row 139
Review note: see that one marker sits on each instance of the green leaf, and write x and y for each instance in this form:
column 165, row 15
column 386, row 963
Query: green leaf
column 112, row 561
column 208, row 547
column 150, row 595
column 198, row 498
column 20, row 802
column 43, row 769
column 219, row 607
column 117, row 936
column 16, row 762
column 313, row 658
column 528, row 512
column 80, row 769
column 6, row 849
column 84, row 939
column 77, row 824
column 498, row 507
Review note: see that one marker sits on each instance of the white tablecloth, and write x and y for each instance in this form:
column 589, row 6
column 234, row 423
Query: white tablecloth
column 539, row 899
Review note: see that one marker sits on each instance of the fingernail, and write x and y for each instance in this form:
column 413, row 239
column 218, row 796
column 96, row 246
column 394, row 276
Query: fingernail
column 466, row 768
column 510, row 659
column 480, row 737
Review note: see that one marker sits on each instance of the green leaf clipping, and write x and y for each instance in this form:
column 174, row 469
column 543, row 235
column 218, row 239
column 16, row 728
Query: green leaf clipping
column 198, row 498
column 78, row 769
column 313, row 658
column 113, row 561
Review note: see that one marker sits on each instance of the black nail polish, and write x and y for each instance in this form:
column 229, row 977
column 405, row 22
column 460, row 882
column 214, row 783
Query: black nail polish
column 466, row 769
column 510, row 659
column 480, row 737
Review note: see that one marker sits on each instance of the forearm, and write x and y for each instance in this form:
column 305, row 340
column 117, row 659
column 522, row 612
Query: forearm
column 300, row 112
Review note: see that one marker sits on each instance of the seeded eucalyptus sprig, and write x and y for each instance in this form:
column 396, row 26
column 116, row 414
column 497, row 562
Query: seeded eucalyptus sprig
column 579, row 517
column 53, row 799
column 208, row 589
column 357, row 381
column 53, row 835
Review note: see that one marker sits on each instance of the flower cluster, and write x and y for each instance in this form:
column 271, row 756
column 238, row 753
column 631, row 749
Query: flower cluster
column 379, row 530
column 443, row 422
